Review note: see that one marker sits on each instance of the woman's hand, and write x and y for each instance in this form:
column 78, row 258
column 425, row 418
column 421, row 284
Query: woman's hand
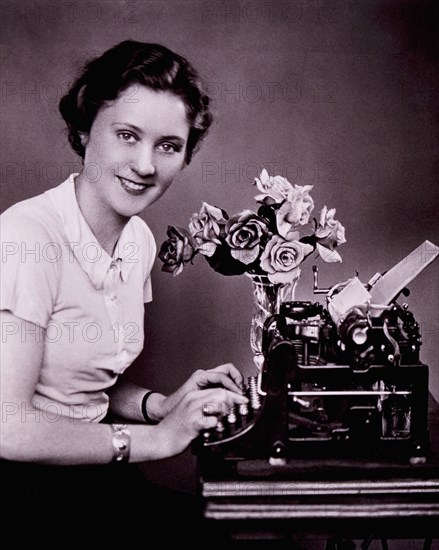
column 225, row 376
column 197, row 411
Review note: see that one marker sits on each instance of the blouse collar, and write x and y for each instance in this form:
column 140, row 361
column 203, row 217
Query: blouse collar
column 92, row 258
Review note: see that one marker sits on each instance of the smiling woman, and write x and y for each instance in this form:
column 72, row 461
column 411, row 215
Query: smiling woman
column 137, row 145
column 136, row 116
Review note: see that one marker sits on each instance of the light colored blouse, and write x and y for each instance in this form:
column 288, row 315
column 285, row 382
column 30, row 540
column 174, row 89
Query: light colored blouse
column 55, row 274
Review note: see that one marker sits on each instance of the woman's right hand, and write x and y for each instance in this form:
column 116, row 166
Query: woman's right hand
column 196, row 412
column 225, row 376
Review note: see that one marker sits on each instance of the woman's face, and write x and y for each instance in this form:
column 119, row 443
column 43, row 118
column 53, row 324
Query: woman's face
column 134, row 149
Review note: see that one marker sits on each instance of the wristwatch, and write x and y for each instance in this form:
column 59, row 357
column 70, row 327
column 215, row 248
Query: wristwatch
column 121, row 442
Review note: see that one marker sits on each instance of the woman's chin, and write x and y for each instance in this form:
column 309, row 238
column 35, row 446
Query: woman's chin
column 129, row 210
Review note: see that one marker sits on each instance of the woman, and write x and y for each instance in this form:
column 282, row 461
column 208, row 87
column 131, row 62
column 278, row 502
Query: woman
column 71, row 312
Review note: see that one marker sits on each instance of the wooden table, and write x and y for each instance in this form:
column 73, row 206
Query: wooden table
column 326, row 499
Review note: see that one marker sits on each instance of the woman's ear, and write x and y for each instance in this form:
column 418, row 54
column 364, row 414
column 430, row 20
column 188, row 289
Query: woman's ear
column 83, row 136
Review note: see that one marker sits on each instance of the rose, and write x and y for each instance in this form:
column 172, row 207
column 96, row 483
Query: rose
column 245, row 231
column 177, row 250
column 281, row 258
column 330, row 233
column 274, row 190
column 206, row 228
column 295, row 210
column 239, row 245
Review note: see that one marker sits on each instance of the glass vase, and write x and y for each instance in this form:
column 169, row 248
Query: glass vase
column 267, row 298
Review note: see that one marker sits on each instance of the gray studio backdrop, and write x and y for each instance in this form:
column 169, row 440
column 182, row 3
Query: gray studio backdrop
column 337, row 94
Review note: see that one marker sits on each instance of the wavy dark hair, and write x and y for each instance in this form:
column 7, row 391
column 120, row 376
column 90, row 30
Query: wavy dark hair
column 128, row 63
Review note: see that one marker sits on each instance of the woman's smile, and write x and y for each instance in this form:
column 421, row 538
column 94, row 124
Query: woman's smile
column 137, row 149
column 133, row 187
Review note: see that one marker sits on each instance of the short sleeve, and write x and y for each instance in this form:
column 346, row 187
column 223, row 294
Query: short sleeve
column 150, row 254
column 29, row 271
column 147, row 291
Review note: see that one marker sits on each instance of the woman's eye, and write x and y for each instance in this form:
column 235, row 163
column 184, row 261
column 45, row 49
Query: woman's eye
column 169, row 147
column 126, row 136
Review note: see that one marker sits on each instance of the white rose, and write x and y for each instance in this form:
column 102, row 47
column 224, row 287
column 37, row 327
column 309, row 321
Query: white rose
column 206, row 227
column 281, row 258
column 295, row 210
column 274, row 190
column 330, row 233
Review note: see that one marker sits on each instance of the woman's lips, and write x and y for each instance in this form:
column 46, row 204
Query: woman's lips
column 132, row 187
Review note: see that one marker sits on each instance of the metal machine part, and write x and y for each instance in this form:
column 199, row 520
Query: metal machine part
column 343, row 380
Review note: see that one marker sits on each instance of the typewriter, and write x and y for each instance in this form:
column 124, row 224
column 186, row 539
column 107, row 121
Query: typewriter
column 340, row 381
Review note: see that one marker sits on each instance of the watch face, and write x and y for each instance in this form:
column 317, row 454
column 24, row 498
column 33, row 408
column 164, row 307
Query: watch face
column 121, row 442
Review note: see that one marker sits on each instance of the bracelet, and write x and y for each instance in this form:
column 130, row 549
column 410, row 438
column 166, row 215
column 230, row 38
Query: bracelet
column 121, row 442
column 144, row 411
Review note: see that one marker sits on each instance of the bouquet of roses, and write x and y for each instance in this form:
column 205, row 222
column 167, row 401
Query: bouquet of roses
column 267, row 242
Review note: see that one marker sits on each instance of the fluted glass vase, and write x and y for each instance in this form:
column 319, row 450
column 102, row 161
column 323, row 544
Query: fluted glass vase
column 267, row 298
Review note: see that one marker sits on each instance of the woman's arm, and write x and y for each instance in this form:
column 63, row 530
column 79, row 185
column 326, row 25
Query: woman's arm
column 126, row 397
column 31, row 436
column 126, row 401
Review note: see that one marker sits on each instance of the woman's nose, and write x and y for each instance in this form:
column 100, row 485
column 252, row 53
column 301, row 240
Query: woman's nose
column 145, row 162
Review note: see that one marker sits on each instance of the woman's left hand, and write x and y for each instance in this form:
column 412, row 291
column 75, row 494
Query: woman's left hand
column 226, row 376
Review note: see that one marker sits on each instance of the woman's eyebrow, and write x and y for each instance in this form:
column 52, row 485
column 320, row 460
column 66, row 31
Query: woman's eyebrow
column 132, row 126
column 178, row 139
